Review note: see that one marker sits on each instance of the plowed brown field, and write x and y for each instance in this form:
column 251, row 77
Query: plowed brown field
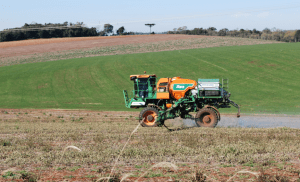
column 26, row 47
column 43, row 50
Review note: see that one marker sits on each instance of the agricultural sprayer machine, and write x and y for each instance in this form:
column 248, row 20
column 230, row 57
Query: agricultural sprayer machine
column 168, row 98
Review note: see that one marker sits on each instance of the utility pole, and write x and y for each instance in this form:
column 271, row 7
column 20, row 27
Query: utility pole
column 150, row 25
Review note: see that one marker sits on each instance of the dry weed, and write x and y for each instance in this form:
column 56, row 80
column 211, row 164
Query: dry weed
column 199, row 177
column 112, row 171
column 161, row 164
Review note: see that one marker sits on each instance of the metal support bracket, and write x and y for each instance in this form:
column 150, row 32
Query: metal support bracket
column 237, row 106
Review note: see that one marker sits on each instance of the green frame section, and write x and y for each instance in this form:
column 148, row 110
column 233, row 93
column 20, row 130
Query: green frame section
column 152, row 93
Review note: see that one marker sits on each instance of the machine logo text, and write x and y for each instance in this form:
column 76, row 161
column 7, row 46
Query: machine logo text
column 179, row 86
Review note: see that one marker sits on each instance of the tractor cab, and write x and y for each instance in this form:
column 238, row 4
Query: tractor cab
column 144, row 85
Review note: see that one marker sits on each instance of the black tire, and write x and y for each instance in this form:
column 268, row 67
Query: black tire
column 206, row 118
column 148, row 117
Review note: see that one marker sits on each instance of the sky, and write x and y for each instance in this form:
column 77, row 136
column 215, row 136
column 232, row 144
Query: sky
column 165, row 14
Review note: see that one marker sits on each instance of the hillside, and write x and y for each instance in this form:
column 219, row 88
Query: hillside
column 262, row 78
column 43, row 50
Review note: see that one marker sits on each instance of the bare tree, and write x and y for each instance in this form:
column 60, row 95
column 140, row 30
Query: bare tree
column 184, row 28
column 179, row 29
column 174, row 30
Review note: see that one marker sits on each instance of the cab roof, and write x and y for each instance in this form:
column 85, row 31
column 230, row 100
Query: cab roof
column 141, row 76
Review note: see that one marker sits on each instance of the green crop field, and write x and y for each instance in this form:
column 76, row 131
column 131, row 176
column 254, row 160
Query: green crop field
column 262, row 78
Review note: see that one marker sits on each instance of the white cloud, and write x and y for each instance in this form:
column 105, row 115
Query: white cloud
column 263, row 14
column 238, row 15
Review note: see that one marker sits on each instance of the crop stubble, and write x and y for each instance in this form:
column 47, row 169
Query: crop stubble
column 34, row 140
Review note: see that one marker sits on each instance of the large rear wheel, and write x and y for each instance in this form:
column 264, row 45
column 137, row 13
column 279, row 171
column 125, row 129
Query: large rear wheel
column 148, row 117
column 206, row 117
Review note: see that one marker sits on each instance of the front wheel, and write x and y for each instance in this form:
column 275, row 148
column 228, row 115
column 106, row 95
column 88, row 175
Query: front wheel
column 148, row 117
column 206, row 118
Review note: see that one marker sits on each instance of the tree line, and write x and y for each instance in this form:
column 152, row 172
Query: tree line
column 108, row 30
column 266, row 34
column 47, row 30
column 55, row 30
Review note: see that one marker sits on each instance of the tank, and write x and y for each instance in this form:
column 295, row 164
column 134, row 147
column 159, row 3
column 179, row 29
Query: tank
column 179, row 87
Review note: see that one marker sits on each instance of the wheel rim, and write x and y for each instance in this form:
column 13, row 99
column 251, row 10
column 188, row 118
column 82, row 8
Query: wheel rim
column 149, row 118
column 206, row 118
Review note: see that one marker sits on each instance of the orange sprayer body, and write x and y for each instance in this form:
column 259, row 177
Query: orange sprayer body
column 179, row 87
column 175, row 87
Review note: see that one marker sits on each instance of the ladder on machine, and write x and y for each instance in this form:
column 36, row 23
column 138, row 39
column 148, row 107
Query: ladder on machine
column 225, row 84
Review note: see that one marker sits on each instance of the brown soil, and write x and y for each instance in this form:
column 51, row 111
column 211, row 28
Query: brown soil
column 26, row 47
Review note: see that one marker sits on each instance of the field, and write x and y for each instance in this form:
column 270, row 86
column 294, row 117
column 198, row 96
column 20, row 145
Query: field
column 104, row 40
column 262, row 78
column 43, row 50
column 40, row 144
column 63, row 116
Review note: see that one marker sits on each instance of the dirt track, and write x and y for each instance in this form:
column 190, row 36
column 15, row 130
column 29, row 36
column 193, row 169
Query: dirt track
column 255, row 121
column 26, row 47
column 227, row 120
